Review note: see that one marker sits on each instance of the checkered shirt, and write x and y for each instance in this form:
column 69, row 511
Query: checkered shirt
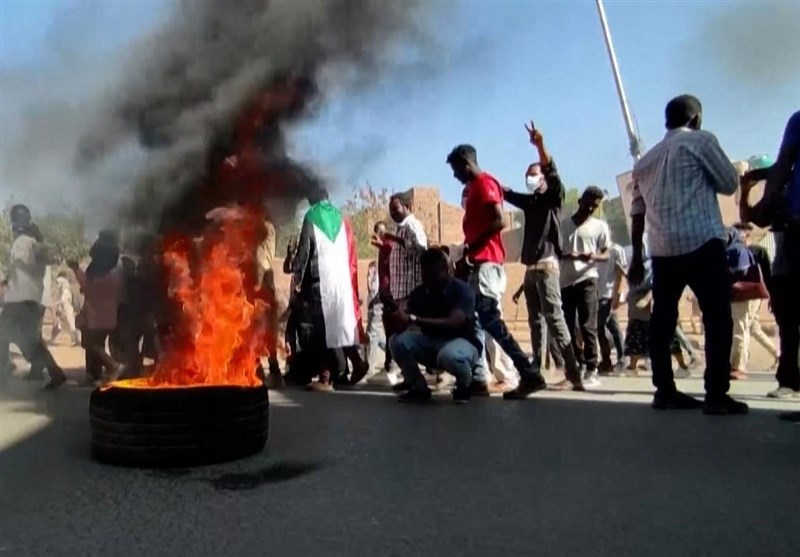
column 676, row 185
column 405, row 273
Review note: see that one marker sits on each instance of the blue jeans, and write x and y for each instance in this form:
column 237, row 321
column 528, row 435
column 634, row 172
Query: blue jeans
column 412, row 348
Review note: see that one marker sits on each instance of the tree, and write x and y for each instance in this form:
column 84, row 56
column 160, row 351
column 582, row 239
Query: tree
column 615, row 217
column 367, row 206
column 570, row 205
column 64, row 236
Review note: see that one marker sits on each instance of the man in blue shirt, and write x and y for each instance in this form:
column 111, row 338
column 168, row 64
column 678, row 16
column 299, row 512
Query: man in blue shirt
column 791, row 148
column 439, row 318
column 779, row 209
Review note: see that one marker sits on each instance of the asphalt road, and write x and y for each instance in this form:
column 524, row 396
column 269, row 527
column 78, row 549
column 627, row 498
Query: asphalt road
column 359, row 474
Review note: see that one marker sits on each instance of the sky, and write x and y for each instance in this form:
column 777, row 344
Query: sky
column 493, row 66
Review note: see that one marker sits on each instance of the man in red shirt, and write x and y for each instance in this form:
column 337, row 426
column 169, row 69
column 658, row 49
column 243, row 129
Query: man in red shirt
column 484, row 256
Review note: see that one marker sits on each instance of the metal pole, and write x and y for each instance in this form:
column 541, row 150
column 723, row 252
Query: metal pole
column 623, row 101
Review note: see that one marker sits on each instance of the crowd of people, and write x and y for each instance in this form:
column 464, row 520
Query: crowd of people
column 439, row 308
column 434, row 309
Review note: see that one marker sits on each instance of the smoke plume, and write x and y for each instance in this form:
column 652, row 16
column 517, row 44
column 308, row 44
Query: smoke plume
column 756, row 42
column 198, row 114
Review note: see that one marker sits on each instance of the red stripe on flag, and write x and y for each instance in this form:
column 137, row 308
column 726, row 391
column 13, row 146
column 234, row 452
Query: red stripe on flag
column 353, row 257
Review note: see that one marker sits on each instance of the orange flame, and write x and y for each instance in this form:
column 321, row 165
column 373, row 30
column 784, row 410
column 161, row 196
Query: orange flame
column 221, row 329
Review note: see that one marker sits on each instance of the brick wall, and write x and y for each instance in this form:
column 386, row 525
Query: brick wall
column 444, row 218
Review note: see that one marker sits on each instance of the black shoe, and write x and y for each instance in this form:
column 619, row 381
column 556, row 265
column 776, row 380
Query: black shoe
column 462, row 395
column 526, row 388
column 723, row 406
column 790, row 417
column 415, row 395
column 478, row 388
column 675, row 401
column 401, row 387
column 605, row 367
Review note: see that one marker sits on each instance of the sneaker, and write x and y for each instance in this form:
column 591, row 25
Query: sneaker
column 567, row 385
column 591, row 380
column 415, row 395
column 619, row 368
column 478, row 388
column 526, row 388
column 462, row 395
column 675, row 401
column 682, row 373
column 783, row 392
column 723, row 406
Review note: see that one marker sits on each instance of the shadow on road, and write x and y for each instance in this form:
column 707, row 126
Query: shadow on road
column 357, row 473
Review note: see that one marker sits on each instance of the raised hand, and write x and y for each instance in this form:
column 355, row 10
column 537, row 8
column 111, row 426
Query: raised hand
column 535, row 136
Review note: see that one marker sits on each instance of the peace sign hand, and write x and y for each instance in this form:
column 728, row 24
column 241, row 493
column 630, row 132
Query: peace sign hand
column 535, row 135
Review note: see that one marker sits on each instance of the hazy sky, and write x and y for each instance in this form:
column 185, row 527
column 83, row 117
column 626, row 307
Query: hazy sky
column 498, row 64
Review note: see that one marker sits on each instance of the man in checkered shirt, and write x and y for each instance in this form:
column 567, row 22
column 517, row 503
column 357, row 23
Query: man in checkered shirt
column 409, row 241
column 675, row 192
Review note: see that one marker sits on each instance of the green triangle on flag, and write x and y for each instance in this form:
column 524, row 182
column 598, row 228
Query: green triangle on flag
column 326, row 217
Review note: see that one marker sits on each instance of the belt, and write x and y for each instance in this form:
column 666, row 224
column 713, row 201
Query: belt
column 543, row 266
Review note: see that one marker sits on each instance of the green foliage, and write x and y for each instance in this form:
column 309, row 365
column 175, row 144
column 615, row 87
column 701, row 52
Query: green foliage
column 367, row 206
column 64, row 236
column 570, row 205
column 615, row 217
column 611, row 211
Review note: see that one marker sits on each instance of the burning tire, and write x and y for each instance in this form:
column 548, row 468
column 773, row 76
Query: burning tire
column 173, row 427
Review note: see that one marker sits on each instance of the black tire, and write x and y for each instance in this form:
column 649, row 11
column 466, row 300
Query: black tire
column 162, row 428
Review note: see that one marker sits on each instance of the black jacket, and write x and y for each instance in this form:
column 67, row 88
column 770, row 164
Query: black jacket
column 542, row 217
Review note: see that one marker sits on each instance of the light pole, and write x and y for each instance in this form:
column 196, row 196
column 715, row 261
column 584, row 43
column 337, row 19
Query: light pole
column 633, row 139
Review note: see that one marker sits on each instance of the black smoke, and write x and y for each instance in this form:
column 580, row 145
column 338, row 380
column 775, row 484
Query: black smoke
column 181, row 99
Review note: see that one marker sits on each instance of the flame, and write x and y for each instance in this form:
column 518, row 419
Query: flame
column 220, row 332
column 221, row 329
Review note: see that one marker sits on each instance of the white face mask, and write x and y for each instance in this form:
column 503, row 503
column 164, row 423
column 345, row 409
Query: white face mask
column 534, row 182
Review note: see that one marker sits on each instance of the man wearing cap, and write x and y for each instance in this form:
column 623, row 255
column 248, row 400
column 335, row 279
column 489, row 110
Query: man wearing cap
column 779, row 208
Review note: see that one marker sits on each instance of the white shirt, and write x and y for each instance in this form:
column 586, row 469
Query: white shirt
column 592, row 236
column 675, row 187
column 64, row 291
column 608, row 271
column 26, row 272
